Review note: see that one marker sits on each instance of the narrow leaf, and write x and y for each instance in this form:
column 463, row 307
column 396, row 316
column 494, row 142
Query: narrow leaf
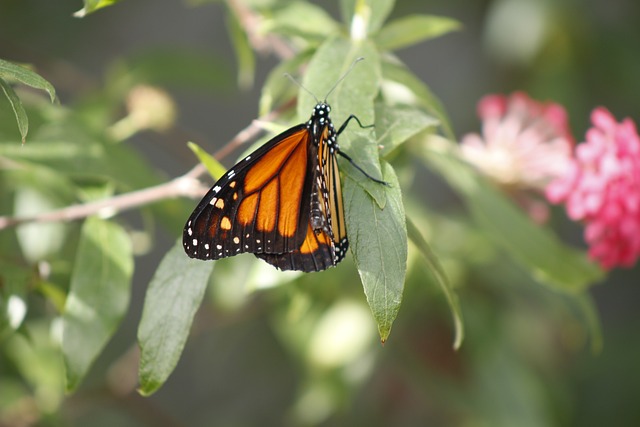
column 396, row 124
column 91, row 6
column 378, row 239
column 244, row 52
column 533, row 246
column 13, row 72
column 413, row 29
column 441, row 277
column 317, row 23
column 399, row 74
column 214, row 167
column 173, row 296
column 98, row 297
column 373, row 13
column 18, row 109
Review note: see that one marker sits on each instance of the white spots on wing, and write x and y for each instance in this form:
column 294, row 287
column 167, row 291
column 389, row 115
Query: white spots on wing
column 189, row 231
column 246, row 159
column 216, row 188
column 236, row 240
column 206, row 246
column 195, row 242
column 231, row 173
column 214, row 200
column 218, row 247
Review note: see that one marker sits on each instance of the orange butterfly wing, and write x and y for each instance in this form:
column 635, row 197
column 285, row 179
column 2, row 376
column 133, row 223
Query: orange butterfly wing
column 261, row 205
column 283, row 203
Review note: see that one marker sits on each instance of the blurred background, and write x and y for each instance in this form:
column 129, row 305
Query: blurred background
column 273, row 357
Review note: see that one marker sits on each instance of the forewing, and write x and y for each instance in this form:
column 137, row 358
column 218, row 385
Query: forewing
column 261, row 205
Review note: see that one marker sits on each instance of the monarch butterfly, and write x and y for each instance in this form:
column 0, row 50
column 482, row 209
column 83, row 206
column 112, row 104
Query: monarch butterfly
column 283, row 202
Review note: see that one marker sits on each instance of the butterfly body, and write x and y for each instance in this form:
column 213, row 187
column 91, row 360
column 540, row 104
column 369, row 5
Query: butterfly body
column 283, row 203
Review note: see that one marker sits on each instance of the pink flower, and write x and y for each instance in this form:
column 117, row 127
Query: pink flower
column 524, row 143
column 601, row 187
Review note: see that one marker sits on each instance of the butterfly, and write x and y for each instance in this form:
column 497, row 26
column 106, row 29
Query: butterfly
column 282, row 202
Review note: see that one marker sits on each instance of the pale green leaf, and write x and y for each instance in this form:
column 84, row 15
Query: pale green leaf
column 214, row 167
column 98, row 296
column 396, row 124
column 317, row 23
column 277, row 88
column 37, row 240
column 441, row 278
column 91, row 6
column 172, row 299
column 378, row 239
column 18, row 109
column 413, row 29
column 373, row 13
column 244, row 53
column 12, row 72
column 425, row 98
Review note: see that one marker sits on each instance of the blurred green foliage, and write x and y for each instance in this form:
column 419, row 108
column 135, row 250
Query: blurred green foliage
column 274, row 348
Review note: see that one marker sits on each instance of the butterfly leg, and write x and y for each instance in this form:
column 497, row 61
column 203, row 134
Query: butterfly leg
column 346, row 122
column 343, row 127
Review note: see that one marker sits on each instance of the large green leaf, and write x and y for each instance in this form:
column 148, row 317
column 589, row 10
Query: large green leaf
column 378, row 239
column 413, row 29
column 533, row 246
column 98, row 297
column 173, row 296
column 354, row 95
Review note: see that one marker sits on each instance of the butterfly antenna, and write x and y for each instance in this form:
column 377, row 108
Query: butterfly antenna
column 290, row 77
column 346, row 73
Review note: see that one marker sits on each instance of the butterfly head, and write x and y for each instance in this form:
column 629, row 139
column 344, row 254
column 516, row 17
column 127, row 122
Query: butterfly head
column 320, row 125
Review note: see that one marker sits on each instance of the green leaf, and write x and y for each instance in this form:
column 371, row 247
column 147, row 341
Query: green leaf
column 373, row 13
column 396, row 124
column 441, row 277
column 244, row 52
column 413, row 29
column 187, row 68
column 12, row 72
column 535, row 247
column 278, row 89
column 399, row 74
column 98, row 296
column 589, row 313
column 91, row 6
column 18, row 109
column 38, row 241
column 354, row 95
column 317, row 23
column 173, row 296
column 378, row 239
column 214, row 167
